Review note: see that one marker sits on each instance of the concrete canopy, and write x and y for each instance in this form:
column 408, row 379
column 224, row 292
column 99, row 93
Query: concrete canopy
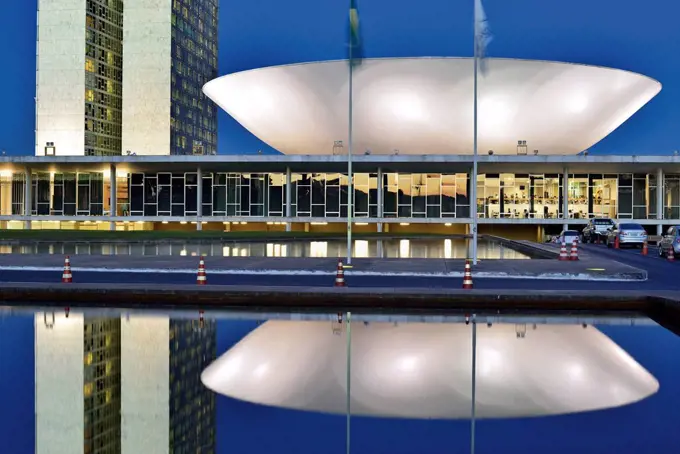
column 423, row 370
column 424, row 105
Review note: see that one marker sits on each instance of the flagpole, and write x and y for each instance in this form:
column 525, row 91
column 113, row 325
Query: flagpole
column 473, row 183
column 473, row 410
column 350, row 186
column 348, row 380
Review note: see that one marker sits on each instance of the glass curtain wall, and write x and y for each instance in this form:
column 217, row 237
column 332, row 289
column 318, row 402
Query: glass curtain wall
column 671, row 196
column 324, row 195
column 518, row 196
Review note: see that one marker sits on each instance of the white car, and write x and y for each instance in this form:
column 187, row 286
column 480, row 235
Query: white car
column 568, row 237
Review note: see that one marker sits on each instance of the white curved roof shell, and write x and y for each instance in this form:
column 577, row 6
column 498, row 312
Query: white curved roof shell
column 423, row 370
column 424, row 105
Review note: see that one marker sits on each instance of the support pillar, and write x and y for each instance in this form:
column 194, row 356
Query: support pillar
column 565, row 198
column 472, row 191
column 28, row 197
column 113, row 196
column 289, row 184
column 380, row 199
column 199, row 199
column 659, row 200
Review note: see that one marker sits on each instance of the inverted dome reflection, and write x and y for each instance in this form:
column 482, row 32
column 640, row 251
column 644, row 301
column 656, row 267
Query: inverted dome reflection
column 423, row 370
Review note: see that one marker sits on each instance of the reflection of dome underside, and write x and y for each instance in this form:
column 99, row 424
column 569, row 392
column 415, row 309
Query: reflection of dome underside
column 424, row 105
column 423, row 370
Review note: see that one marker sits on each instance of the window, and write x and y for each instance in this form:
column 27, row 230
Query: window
column 89, row 65
column 89, row 95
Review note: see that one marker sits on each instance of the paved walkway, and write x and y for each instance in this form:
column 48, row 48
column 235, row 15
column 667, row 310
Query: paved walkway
column 589, row 267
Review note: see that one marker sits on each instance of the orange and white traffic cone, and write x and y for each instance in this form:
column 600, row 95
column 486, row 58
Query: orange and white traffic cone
column 671, row 254
column 467, row 276
column 67, row 277
column 645, row 249
column 563, row 252
column 574, row 251
column 201, row 278
column 340, row 275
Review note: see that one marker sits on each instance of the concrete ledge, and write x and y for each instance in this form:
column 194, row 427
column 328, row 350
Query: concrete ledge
column 528, row 248
column 324, row 299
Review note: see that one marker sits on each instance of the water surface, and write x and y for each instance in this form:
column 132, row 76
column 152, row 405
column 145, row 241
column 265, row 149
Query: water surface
column 66, row 380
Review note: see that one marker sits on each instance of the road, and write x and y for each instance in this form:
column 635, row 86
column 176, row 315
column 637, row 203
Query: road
column 663, row 275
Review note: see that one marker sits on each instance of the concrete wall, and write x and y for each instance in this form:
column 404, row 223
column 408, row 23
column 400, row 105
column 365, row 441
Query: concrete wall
column 59, row 381
column 145, row 384
column 147, row 60
column 60, row 91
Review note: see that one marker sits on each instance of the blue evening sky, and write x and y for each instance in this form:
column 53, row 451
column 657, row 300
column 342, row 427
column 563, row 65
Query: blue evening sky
column 629, row 34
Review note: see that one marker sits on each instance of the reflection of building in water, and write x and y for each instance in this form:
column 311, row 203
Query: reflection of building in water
column 77, row 401
column 165, row 407
column 102, row 385
column 192, row 405
column 424, row 370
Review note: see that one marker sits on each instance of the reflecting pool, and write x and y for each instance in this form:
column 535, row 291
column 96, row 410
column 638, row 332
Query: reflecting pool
column 449, row 248
column 221, row 382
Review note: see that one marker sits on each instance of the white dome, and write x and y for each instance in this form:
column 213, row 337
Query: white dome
column 423, row 370
column 424, row 105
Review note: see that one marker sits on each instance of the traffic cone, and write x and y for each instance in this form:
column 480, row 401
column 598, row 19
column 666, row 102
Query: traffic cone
column 467, row 276
column 616, row 242
column 574, row 251
column 201, row 278
column 67, row 277
column 645, row 249
column 671, row 254
column 340, row 275
column 563, row 252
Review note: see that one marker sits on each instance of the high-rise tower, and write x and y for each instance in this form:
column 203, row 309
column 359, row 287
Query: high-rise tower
column 125, row 76
column 79, row 77
column 169, row 53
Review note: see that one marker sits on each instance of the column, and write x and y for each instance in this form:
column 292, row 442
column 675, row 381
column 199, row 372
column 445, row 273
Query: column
column 199, row 199
column 565, row 198
column 473, row 208
column 288, row 197
column 113, row 196
column 28, row 197
column 380, row 198
column 659, row 200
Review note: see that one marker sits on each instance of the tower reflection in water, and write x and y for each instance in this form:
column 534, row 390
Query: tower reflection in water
column 126, row 384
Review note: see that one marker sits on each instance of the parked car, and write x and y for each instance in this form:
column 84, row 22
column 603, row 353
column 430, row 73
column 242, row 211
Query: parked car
column 568, row 237
column 628, row 233
column 670, row 240
column 597, row 228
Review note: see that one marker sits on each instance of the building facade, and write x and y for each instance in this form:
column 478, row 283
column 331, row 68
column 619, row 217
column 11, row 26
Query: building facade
column 529, row 195
column 124, row 77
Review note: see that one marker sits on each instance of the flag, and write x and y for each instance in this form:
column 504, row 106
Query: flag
column 355, row 50
column 482, row 35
